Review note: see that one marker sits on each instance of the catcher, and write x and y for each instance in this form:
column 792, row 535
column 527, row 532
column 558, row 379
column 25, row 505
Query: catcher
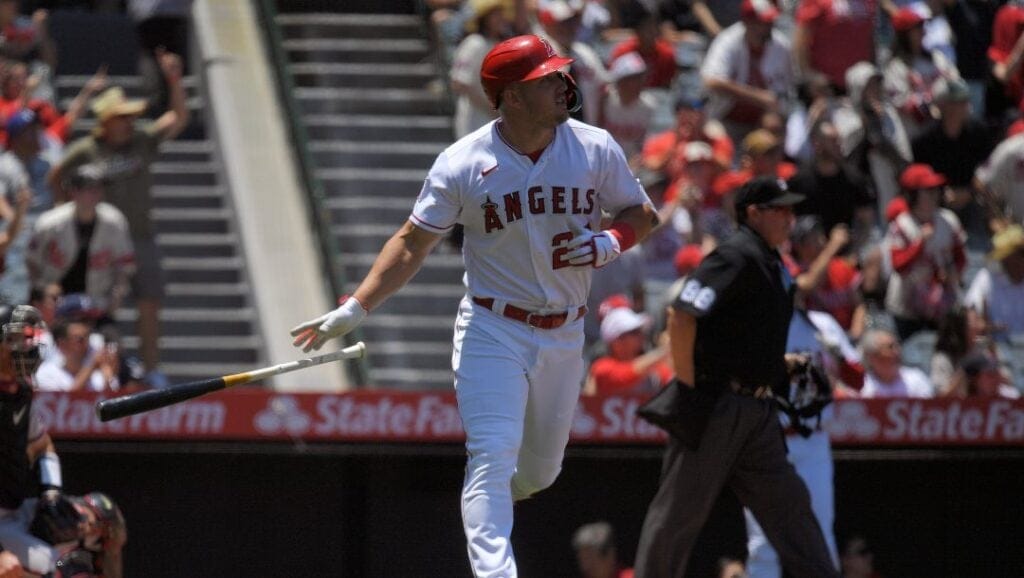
column 51, row 535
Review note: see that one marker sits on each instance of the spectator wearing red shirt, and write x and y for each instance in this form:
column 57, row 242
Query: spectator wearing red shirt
column 1007, row 51
column 666, row 151
column 833, row 35
column 626, row 368
column 16, row 93
column 657, row 52
column 927, row 248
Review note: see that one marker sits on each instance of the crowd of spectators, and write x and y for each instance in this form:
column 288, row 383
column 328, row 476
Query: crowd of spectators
column 898, row 120
column 76, row 236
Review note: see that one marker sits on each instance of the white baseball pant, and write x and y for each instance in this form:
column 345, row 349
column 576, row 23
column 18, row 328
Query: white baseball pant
column 517, row 388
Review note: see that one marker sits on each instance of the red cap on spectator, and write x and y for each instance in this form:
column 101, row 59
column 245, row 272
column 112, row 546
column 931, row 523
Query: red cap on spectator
column 613, row 302
column 687, row 258
column 763, row 10
column 895, row 208
column 1016, row 128
column 904, row 19
column 921, row 176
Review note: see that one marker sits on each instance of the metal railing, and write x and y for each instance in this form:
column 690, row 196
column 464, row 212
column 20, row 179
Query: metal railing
column 316, row 197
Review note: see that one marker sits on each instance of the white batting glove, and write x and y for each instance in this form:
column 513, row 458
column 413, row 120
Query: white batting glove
column 590, row 248
column 312, row 334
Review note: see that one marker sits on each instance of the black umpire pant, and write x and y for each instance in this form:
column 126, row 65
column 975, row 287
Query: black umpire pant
column 742, row 447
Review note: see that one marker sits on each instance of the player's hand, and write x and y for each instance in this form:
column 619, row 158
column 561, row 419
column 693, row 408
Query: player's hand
column 9, row 566
column 590, row 248
column 312, row 334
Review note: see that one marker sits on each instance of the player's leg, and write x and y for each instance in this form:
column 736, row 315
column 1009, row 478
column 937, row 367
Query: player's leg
column 555, row 379
column 491, row 389
column 768, row 484
column 691, row 482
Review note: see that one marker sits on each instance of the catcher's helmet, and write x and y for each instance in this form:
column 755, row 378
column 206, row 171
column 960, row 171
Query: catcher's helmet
column 21, row 337
column 526, row 57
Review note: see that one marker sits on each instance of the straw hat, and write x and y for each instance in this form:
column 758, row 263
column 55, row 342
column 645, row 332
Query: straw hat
column 1006, row 242
column 112, row 102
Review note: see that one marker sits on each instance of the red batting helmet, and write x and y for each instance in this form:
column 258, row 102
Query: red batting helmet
column 521, row 58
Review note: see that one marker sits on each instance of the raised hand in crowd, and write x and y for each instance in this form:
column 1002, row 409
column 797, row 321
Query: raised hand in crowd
column 170, row 65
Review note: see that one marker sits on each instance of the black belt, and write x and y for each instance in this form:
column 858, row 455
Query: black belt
column 551, row 321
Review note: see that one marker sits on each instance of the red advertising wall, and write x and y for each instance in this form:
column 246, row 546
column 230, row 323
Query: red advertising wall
column 384, row 416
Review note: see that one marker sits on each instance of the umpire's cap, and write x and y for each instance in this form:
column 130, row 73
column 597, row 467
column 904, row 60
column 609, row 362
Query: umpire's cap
column 765, row 192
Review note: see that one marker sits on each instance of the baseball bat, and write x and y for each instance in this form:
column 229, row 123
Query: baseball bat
column 143, row 401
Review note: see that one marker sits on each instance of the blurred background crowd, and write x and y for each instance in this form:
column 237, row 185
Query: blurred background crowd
column 900, row 121
column 78, row 238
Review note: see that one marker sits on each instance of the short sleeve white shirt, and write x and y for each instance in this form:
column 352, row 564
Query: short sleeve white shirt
column 912, row 382
column 519, row 215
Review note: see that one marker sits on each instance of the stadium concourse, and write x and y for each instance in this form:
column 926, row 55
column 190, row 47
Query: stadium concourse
column 311, row 125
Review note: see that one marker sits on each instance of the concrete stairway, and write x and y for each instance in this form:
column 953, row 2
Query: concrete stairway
column 207, row 321
column 361, row 83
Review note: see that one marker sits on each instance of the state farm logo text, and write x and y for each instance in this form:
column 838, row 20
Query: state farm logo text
column 915, row 421
column 71, row 416
column 430, row 417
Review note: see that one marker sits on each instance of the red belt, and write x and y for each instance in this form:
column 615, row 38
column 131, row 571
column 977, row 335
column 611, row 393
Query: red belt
column 552, row 321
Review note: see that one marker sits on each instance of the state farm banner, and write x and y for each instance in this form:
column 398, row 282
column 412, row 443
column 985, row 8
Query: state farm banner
column 384, row 416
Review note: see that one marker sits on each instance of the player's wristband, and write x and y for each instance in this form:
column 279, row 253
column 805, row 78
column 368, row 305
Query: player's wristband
column 49, row 470
column 346, row 297
column 624, row 234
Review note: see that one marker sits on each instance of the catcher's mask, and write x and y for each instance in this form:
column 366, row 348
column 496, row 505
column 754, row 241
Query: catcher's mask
column 21, row 338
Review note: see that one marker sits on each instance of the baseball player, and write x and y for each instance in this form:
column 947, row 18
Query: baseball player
column 530, row 189
column 54, row 534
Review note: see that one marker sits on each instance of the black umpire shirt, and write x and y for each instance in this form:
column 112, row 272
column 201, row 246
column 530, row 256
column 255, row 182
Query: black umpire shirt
column 742, row 298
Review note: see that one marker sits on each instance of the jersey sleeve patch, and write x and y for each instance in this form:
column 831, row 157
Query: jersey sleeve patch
column 712, row 283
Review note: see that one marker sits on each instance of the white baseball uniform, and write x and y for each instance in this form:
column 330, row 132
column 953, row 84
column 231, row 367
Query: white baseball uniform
column 517, row 385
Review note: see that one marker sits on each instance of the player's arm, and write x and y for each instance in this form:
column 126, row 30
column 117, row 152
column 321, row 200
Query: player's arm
column 641, row 218
column 397, row 262
column 629, row 227
column 400, row 259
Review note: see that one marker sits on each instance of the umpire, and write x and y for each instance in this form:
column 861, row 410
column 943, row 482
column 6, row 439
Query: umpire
column 728, row 329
